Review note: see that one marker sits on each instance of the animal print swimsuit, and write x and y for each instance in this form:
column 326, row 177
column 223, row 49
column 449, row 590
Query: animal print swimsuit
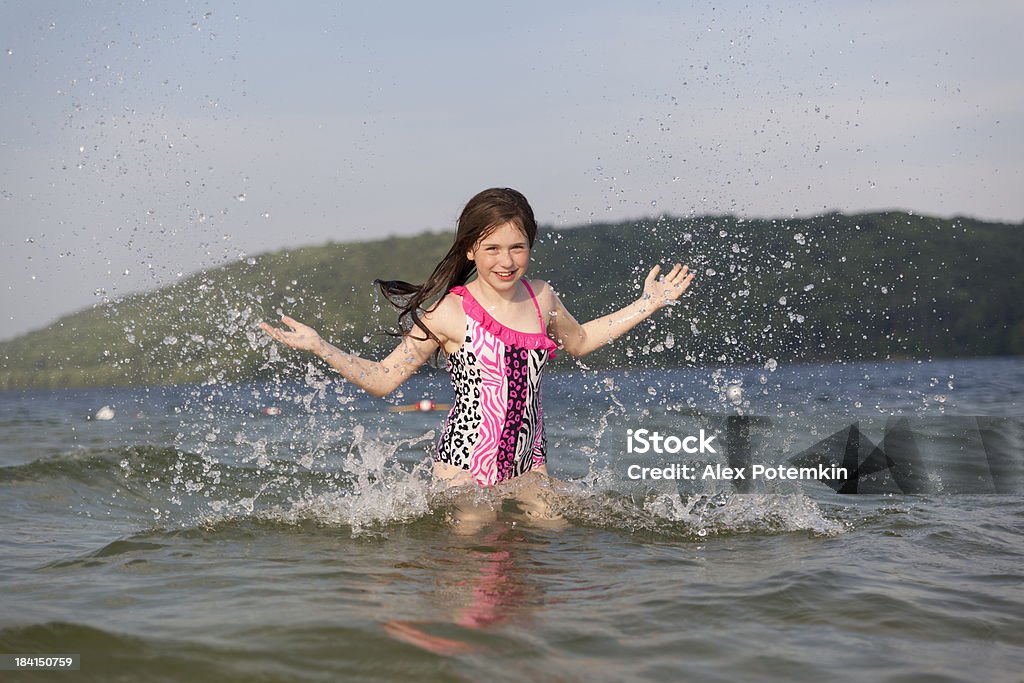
column 495, row 428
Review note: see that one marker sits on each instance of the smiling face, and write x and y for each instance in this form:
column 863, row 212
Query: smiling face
column 501, row 256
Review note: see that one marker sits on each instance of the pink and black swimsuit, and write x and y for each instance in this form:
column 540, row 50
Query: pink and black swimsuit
column 495, row 428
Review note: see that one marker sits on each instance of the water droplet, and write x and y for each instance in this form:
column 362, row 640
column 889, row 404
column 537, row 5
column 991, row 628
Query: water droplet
column 771, row 364
column 241, row 197
column 800, row 239
column 170, row 340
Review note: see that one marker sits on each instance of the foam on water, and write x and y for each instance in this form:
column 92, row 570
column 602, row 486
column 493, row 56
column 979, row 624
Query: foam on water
column 380, row 493
column 694, row 516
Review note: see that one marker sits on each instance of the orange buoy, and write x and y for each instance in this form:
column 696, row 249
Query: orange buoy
column 423, row 406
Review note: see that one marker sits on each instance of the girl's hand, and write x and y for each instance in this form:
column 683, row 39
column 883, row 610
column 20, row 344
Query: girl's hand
column 665, row 290
column 301, row 337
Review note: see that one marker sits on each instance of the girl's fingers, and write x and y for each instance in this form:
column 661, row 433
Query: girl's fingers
column 276, row 333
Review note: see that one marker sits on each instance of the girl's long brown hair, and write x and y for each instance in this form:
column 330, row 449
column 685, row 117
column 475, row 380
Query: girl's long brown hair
column 486, row 211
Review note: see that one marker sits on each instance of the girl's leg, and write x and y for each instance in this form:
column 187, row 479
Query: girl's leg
column 469, row 513
column 532, row 492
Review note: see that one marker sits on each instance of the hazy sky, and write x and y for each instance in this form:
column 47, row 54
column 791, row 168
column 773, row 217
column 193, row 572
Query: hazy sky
column 140, row 141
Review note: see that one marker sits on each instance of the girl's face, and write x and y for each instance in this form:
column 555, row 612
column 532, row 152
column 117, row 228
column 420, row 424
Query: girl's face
column 502, row 256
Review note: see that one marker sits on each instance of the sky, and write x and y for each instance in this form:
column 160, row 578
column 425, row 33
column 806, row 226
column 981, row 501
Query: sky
column 143, row 141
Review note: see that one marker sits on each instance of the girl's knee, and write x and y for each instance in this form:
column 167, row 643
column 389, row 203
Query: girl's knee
column 468, row 516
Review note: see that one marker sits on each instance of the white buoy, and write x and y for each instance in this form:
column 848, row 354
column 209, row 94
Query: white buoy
column 104, row 413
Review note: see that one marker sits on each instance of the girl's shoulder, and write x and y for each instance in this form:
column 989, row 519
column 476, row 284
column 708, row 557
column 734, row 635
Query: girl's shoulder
column 448, row 305
column 445, row 318
column 543, row 291
column 539, row 286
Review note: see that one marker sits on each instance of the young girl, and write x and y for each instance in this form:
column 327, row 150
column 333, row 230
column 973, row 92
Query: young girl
column 497, row 331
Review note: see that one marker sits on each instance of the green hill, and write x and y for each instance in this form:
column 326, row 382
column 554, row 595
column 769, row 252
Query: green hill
column 883, row 285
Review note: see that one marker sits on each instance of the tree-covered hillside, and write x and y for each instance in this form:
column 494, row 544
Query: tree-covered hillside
column 833, row 287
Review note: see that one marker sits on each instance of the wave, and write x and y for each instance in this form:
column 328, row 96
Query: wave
column 157, row 471
column 365, row 486
column 416, row 504
column 85, row 464
column 370, row 493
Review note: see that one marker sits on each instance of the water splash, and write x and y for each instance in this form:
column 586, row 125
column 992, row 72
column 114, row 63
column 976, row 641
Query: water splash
column 695, row 516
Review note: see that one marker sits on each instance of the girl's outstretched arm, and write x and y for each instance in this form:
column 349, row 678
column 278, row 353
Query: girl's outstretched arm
column 580, row 340
column 376, row 378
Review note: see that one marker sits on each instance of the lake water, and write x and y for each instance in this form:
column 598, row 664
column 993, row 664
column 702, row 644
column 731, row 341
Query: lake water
column 193, row 537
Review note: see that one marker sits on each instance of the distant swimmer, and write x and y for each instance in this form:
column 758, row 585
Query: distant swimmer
column 497, row 332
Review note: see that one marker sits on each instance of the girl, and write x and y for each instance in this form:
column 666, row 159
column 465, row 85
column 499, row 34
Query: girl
column 497, row 331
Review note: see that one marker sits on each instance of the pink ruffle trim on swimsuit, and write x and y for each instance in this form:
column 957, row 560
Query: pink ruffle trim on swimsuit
column 523, row 340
